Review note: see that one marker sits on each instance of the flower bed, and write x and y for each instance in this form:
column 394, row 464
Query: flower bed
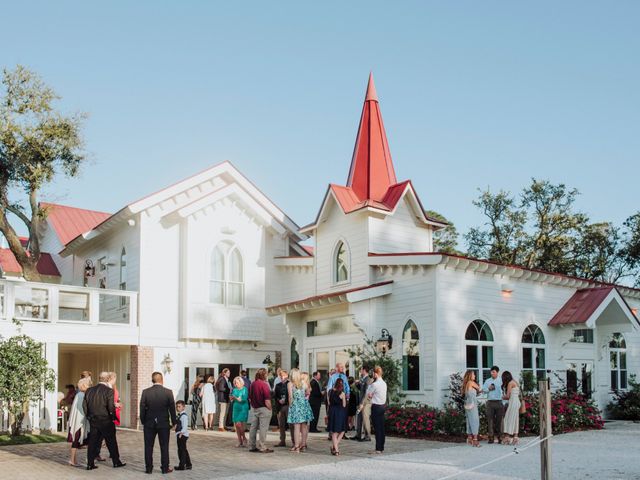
column 570, row 412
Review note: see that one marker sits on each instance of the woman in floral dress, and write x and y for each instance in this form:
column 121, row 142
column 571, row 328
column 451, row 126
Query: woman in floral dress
column 300, row 412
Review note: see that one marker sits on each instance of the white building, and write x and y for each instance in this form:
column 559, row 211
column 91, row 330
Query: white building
column 209, row 273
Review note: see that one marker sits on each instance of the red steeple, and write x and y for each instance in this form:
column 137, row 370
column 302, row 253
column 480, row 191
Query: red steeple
column 371, row 172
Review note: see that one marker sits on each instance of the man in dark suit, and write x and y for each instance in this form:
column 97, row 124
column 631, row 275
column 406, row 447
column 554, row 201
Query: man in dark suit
column 157, row 415
column 100, row 410
column 315, row 400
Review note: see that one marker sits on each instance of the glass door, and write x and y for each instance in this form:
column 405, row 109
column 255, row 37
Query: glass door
column 580, row 377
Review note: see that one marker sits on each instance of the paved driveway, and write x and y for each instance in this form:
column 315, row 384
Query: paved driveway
column 613, row 453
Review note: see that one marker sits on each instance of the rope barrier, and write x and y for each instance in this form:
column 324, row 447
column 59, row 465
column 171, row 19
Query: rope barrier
column 515, row 451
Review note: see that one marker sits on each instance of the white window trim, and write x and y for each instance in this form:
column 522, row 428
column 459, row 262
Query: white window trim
column 479, row 343
column 420, row 373
column 617, row 351
column 334, row 263
column 225, row 282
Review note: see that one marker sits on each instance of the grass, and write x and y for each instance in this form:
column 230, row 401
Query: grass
column 30, row 439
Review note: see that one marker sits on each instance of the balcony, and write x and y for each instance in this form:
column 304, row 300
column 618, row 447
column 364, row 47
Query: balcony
column 47, row 303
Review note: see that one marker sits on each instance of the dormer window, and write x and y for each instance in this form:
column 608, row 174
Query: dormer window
column 341, row 263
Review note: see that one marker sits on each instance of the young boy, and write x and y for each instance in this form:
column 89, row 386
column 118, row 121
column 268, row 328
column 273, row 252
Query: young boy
column 182, row 435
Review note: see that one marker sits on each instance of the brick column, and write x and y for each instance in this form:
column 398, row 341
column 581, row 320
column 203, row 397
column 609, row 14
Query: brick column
column 141, row 370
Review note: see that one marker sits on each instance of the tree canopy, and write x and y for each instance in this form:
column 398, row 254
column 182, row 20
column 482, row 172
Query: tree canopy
column 541, row 229
column 37, row 143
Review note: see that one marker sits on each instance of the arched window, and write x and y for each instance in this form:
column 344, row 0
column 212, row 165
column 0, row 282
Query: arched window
column 618, row 357
column 479, row 346
column 410, row 357
column 533, row 353
column 226, row 278
column 341, row 263
column 122, row 284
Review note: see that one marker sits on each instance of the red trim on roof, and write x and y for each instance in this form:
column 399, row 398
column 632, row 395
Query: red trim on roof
column 490, row 262
column 45, row 266
column 70, row 222
column 332, row 294
column 582, row 304
column 309, row 249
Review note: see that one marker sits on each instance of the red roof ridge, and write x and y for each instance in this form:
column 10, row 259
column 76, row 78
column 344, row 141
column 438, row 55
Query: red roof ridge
column 69, row 222
column 45, row 265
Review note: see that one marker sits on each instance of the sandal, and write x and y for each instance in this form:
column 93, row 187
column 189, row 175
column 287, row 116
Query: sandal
column 475, row 443
column 515, row 441
column 295, row 450
column 333, row 452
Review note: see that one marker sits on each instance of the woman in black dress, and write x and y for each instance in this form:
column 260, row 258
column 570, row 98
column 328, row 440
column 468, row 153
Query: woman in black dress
column 352, row 404
column 337, row 415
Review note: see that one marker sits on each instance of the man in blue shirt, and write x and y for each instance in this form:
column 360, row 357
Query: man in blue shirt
column 339, row 374
column 493, row 387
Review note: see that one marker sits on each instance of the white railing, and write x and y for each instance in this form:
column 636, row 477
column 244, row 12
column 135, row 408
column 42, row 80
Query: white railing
column 54, row 303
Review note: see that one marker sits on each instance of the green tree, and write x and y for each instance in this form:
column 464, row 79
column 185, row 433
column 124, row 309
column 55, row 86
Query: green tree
column 631, row 245
column 502, row 238
column 446, row 239
column 36, row 144
column 24, row 376
column 368, row 355
column 598, row 253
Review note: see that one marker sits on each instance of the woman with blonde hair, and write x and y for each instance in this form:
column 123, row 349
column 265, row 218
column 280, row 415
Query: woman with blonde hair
column 196, row 400
column 78, row 422
column 240, row 413
column 470, row 390
column 300, row 413
column 208, row 395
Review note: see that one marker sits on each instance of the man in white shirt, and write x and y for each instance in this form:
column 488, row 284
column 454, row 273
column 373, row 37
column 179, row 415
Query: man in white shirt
column 377, row 392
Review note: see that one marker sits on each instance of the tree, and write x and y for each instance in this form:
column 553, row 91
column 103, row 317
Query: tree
column 368, row 355
column 598, row 253
column 631, row 247
column 446, row 239
column 24, row 375
column 503, row 237
column 36, row 144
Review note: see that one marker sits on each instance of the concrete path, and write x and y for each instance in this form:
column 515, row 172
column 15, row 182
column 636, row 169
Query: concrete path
column 613, row 453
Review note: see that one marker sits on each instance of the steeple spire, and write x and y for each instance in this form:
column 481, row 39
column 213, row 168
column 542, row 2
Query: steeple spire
column 371, row 172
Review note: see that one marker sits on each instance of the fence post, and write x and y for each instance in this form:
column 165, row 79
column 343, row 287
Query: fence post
column 545, row 429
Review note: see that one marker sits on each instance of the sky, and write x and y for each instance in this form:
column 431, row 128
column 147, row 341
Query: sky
column 473, row 95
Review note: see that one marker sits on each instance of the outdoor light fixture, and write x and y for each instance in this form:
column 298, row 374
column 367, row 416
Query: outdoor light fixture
column 507, row 289
column 267, row 360
column 634, row 311
column 167, row 363
column 385, row 342
column 89, row 268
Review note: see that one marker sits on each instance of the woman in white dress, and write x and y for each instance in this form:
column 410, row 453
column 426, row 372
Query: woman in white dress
column 511, row 421
column 208, row 403
column 78, row 422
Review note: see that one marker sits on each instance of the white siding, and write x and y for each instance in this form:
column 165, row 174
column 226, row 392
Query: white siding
column 398, row 232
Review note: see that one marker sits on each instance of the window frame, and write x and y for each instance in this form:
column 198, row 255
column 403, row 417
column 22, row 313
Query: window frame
column 480, row 345
column 226, row 250
column 534, row 347
column 418, row 373
column 618, row 351
column 346, row 263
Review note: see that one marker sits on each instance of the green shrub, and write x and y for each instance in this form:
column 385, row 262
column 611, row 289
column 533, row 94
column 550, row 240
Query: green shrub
column 626, row 404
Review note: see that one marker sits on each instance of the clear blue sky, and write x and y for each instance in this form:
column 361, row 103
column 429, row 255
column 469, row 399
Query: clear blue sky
column 473, row 94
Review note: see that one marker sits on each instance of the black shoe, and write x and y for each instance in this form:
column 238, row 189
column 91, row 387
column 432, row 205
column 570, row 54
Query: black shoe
column 189, row 467
column 367, row 439
column 91, row 467
column 168, row 470
column 357, row 439
column 119, row 464
column 179, row 468
column 148, row 470
column 315, row 431
column 254, row 450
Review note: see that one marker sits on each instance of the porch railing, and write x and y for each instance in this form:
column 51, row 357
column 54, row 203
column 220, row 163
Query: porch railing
column 54, row 303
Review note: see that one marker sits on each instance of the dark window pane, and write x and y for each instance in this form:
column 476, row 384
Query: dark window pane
column 527, row 336
column 541, row 374
column 472, row 356
column 623, row 360
column 572, row 379
column 538, row 336
column 614, row 360
column 486, row 374
column 614, row 379
column 540, row 358
column 413, row 373
column 526, row 358
column 487, row 357
column 623, row 379
column 472, row 332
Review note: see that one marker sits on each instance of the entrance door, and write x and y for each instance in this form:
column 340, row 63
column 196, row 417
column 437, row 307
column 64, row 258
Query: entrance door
column 324, row 359
column 580, row 377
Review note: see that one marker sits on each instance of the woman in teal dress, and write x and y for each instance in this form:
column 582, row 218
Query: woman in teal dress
column 240, row 399
column 300, row 412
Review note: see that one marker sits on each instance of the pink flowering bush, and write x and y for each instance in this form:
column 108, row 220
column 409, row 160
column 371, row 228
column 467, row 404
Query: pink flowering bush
column 569, row 412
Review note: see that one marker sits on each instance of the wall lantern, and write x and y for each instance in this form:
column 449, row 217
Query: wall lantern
column 385, row 342
column 89, row 268
column 634, row 311
column 507, row 289
column 267, row 360
column 167, row 363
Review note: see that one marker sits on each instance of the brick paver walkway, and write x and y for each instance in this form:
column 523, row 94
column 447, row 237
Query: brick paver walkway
column 213, row 455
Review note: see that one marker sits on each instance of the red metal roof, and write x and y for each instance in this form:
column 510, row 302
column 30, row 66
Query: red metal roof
column 371, row 173
column 581, row 306
column 308, row 248
column 69, row 222
column 9, row 264
column 332, row 294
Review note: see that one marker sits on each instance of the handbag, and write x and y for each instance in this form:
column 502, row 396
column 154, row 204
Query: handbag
column 523, row 406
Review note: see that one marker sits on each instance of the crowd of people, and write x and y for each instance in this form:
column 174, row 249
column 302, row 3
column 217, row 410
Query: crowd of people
column 295, row 398
column 503, row 407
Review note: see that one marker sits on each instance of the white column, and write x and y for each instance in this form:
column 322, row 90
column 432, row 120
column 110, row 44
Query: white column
column 49, row 412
